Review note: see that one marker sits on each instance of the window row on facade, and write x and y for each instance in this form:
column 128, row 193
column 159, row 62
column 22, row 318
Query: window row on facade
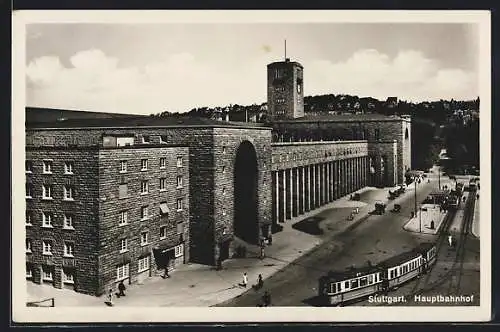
column 123, row 189
column 48, row 247
column 47, row 273
column 303, row 155
column 48, row 167
column 69, row 166
column 48, row 191
column 145, row 164
column 48, row 219
column 123, row 218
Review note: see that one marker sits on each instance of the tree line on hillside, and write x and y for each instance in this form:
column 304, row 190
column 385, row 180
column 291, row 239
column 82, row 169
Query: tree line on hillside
column 444, row 124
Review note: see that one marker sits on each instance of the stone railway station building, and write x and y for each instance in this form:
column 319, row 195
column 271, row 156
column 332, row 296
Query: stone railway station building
column 117, row 197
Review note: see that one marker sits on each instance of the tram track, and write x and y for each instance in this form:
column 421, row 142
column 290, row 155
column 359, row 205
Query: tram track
column 423, row 282
column 461, row 245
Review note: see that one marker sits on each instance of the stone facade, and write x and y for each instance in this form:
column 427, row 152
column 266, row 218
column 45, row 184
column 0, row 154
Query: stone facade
column 338, row 128
column 285, row 90
column 83, row 209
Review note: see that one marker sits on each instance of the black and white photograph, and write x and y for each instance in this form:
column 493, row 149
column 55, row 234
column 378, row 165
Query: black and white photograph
column 251, row 166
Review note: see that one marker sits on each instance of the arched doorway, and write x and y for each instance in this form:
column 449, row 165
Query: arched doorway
column 245, row 193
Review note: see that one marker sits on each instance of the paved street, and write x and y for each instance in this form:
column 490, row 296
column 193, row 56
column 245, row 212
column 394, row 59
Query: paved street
column 375, row 239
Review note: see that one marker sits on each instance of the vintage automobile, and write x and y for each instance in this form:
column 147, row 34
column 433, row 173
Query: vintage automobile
column 379, row 207
column 397, row 208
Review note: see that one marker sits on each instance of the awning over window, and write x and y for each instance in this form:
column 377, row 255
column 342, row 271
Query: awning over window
column 164, row 208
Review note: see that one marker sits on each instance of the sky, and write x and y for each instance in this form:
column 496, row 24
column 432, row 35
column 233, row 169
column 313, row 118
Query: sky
column 151, row 68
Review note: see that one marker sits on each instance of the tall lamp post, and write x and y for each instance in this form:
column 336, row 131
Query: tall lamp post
column 439, row 177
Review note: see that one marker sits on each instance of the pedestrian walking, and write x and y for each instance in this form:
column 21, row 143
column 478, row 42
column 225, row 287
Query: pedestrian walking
column 260, row 282
column 121, row 289
column 450, row 240
column 262, row 252
column 245, row 279
column 266, row 299
column 110, row 297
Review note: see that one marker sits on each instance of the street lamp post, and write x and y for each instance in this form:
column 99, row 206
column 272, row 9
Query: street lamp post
column 439, row 177
column 415, row 197
column 420, row 223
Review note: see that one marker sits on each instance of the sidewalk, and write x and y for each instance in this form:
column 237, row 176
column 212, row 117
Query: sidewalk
column 477, row 220
column 413, row 225
column 201, row 285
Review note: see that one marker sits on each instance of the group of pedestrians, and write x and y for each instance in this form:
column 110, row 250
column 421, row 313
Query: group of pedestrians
column 266, row 298
column 121, row 292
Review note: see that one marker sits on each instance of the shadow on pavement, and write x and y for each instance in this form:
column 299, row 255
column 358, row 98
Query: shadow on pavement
column 309, row 226
column 314, row 301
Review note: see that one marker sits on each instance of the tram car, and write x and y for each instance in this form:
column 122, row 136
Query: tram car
column 337, row 288
column 453, row 201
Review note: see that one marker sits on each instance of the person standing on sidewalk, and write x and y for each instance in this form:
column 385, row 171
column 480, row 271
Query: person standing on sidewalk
column 245, row 280
column 450, row 240
column 260, row 282
column 121, row 289
column 110, row 297
column 266, row 299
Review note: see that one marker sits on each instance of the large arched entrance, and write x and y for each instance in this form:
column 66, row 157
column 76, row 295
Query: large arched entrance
column 245, row 193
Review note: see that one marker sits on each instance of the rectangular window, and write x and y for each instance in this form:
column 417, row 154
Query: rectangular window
column 124, row 245
column 69, row 249
column 144, row 213
column 144, row 165
column 28, row 164
column 123, row 191
column 180, row 228
column 124, row 141
column 68, row 277
column 363, row 282
column 179, row 181
column 123, row 166
column 179, row 250
column 144, row 187
column 144, row 238
column 47, row 247
column 370, row 279
column 180, row 204
column 143, row 264
column 123, row 218
column 163, row 162
column 163, row 232
column 29, row 190
column 47, row 192
column 47, row 166
column 179, row 161
column 163, row 182
column 47, row 273
column 29, row 217
column 28, row 245
column 46, row 219
column 68, row 167
column 122, row 271
column 68, row 193
column 29, row 271
column 377, row 134
column 68, row 221
column 354, row 283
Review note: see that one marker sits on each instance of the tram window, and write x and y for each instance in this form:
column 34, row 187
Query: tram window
column 346, row 285
column 354, row 283
column 370, row 279
column 333, row 288
column 363, row 281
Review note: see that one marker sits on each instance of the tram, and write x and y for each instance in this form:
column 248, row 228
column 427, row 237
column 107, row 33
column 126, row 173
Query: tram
column 338, row 288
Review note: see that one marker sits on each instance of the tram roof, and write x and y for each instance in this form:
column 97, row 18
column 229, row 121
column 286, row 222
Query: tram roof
column 400, row 259
column 349, row 274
